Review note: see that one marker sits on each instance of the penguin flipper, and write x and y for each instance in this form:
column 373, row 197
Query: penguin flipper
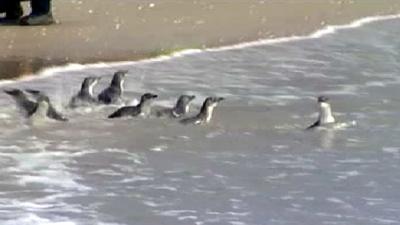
column 116, row 114
column 125, row 111
column 12, row 91
column 25, row 105
column 52, row 113
column 314, row 125
column 190, row 120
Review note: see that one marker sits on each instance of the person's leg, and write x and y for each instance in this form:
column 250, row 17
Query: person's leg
column 40, row 7
column 40, row 15
column 3, row 6
column 12, row 8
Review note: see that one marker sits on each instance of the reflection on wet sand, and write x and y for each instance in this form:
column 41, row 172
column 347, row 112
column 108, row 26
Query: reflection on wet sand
column 11, row 68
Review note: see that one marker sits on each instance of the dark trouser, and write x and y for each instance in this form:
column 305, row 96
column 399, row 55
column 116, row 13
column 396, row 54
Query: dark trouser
column 12, row 8
column 40, row 7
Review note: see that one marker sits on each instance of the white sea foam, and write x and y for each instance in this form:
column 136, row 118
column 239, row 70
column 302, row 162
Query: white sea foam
column 330, row 29
column 33, row 219
column 136, row 158
column 57, row 179
column 136, row 179
column 175, row 213
column 393, row 150
column 159, row 148
column 277, row 176
column 187, row 218
column 106, row 172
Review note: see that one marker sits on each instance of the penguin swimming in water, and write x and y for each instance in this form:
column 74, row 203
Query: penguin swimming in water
column 180, row 109
column 51, row 111
column 325, row 116
column 28, row 107
column 206, row 111
column 85, row 95
column 143, row 108
column 113, row 93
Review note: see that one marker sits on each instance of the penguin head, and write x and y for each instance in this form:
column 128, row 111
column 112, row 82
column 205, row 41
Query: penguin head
column 91, row 80
column 119, row 77
column 322, row 99
column 182, row 105
column 211, row 102
column 184, row 100
column 147, row 96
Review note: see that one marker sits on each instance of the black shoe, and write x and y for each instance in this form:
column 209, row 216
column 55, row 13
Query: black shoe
column 8, row 21
column 36, row 20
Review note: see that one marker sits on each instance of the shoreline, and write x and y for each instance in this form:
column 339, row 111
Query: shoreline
column 21, row 59
column 328, row 30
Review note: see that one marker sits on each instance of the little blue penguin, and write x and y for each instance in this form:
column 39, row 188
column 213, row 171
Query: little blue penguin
column 180, row 109
column 325, row 116
column 51, row 112
column 206, row 112
column 143, row 108
column 113, row 93
column 85, row 95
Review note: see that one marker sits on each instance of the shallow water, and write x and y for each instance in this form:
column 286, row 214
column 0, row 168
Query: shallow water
column 254, row 164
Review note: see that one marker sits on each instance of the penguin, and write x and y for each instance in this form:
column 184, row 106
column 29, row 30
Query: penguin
column 325, row 116
column 51, row 112
column 85, row 95
column 143, row 108
column 180, row 109
column 113, row 93
column 206, row 111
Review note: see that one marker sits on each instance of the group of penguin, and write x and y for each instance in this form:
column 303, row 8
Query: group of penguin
column 40, row 105
column 34, row 103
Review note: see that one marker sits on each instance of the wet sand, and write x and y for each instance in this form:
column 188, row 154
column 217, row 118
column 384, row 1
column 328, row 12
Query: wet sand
column 114, row 30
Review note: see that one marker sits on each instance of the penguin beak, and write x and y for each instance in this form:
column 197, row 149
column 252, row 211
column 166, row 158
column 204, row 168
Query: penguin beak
column 192, row 97
column 220, row 99
column 154, row 96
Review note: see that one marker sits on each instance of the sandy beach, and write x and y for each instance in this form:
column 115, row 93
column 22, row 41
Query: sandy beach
column 114, row 30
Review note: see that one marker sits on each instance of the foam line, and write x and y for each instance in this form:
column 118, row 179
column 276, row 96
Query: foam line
column 327, row 30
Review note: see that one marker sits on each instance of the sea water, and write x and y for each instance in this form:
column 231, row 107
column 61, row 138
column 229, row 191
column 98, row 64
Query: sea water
column 253, row 164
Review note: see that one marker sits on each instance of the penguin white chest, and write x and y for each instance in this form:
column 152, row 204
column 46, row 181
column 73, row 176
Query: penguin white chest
column 326, row 113
column 210, row 111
